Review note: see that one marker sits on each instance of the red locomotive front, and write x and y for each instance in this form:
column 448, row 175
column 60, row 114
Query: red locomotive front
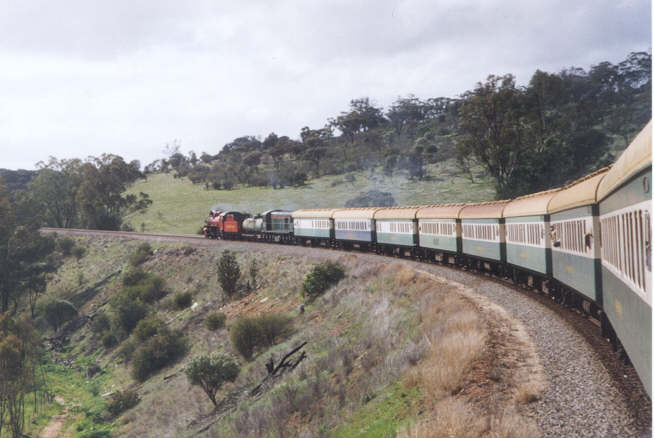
column 211, row 228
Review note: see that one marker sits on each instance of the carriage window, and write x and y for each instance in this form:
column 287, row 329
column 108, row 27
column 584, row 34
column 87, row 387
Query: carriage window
column 626, row 245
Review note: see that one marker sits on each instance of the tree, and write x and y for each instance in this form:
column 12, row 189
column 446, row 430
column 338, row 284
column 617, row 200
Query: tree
column 58, row 312
column 491, row 124
column 24, row 252
column 362, row 117
column 210, row 372
column 229, row 272
column 100, row 195
column 20, row 350
column 55, row 189
column 316, row 141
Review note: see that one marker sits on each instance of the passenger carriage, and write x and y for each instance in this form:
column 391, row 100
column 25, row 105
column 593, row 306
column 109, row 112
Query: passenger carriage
column 574, row 231
column 527, row 232
column 482, row 235
column 625, row 211
column 439, row 232
column 354, row 227
column 397, row 230
column 315, row 226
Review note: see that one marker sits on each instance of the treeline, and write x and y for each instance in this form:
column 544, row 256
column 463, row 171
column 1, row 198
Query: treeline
column 84, row 194
column 558, row 127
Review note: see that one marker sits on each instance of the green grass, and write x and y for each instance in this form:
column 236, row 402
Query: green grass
column 181, row 207
column 382, row 416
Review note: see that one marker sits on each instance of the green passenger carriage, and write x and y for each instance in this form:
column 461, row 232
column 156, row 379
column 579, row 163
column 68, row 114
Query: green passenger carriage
column 482, row 231
column 574, row 231
column 397, row 229
column 313, row 225
column 439, row 231
column 625, row 209
column 527, row 230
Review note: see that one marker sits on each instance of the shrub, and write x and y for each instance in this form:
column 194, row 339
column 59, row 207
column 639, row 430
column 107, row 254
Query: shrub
column 250, row 333
column 210, row 372
column 129, row 311
column 100, row 323
column 244, row 335
column 183, row 299
column 157, row 352
column 143, row 252
column 271, row 326
column 122, row 401
column 228, row 272
column 215, row 320
column 320, row 278
column 65, row 245
column 153, row 289
column 109, row 340
column 253, row 271
column 126, row 350
column 134, row 276
column 58, row 312
column 78, row 252
column 147, row 328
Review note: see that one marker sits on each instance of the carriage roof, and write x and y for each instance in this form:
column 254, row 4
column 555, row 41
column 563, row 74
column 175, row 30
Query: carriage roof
column 633, row 159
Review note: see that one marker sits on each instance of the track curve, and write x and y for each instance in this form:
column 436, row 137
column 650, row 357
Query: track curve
column 590, row 392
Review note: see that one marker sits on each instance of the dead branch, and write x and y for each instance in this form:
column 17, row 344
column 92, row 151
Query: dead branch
column 284, row 365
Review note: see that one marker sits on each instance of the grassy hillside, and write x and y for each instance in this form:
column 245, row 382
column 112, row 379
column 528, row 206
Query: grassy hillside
column 387, row 350
column 181, row 207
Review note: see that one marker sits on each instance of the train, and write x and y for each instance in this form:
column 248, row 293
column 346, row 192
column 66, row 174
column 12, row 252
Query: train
column 587, row 245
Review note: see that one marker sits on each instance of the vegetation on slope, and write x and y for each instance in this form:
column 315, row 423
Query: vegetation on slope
column 557, row 128
column 373, row 342
column 178, row 206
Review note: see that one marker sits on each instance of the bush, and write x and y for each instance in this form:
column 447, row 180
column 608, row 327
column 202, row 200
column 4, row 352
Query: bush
column 183, row 299
column 147, row 328
column 153, row 289
column 109, row 340
column 78, row 252
column 58, row 312
column 100, row 323
column 126, row 350
column 271, row 326
column 134, row 276
column 215, row 320
column 249, row 333
column 228, row 272
column 210, row 372
column 65, row 245
column 244, row 335
column 157, row 352
column 320, row 278
column 122, row 401
column 129, row 311
column 143, row 252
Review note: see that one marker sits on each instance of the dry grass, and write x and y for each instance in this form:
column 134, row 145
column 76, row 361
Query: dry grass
column 452, row 418
column 456, row 336
column 510, row 424
column 529, row 392
column 465, row 331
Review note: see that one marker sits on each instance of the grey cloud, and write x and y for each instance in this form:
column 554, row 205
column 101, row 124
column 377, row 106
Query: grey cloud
column 83, row 77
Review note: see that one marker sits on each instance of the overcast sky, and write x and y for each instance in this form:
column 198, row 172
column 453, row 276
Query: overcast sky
column 83, row 77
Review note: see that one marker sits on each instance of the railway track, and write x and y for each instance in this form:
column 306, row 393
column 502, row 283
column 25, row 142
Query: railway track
column 591, row 392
